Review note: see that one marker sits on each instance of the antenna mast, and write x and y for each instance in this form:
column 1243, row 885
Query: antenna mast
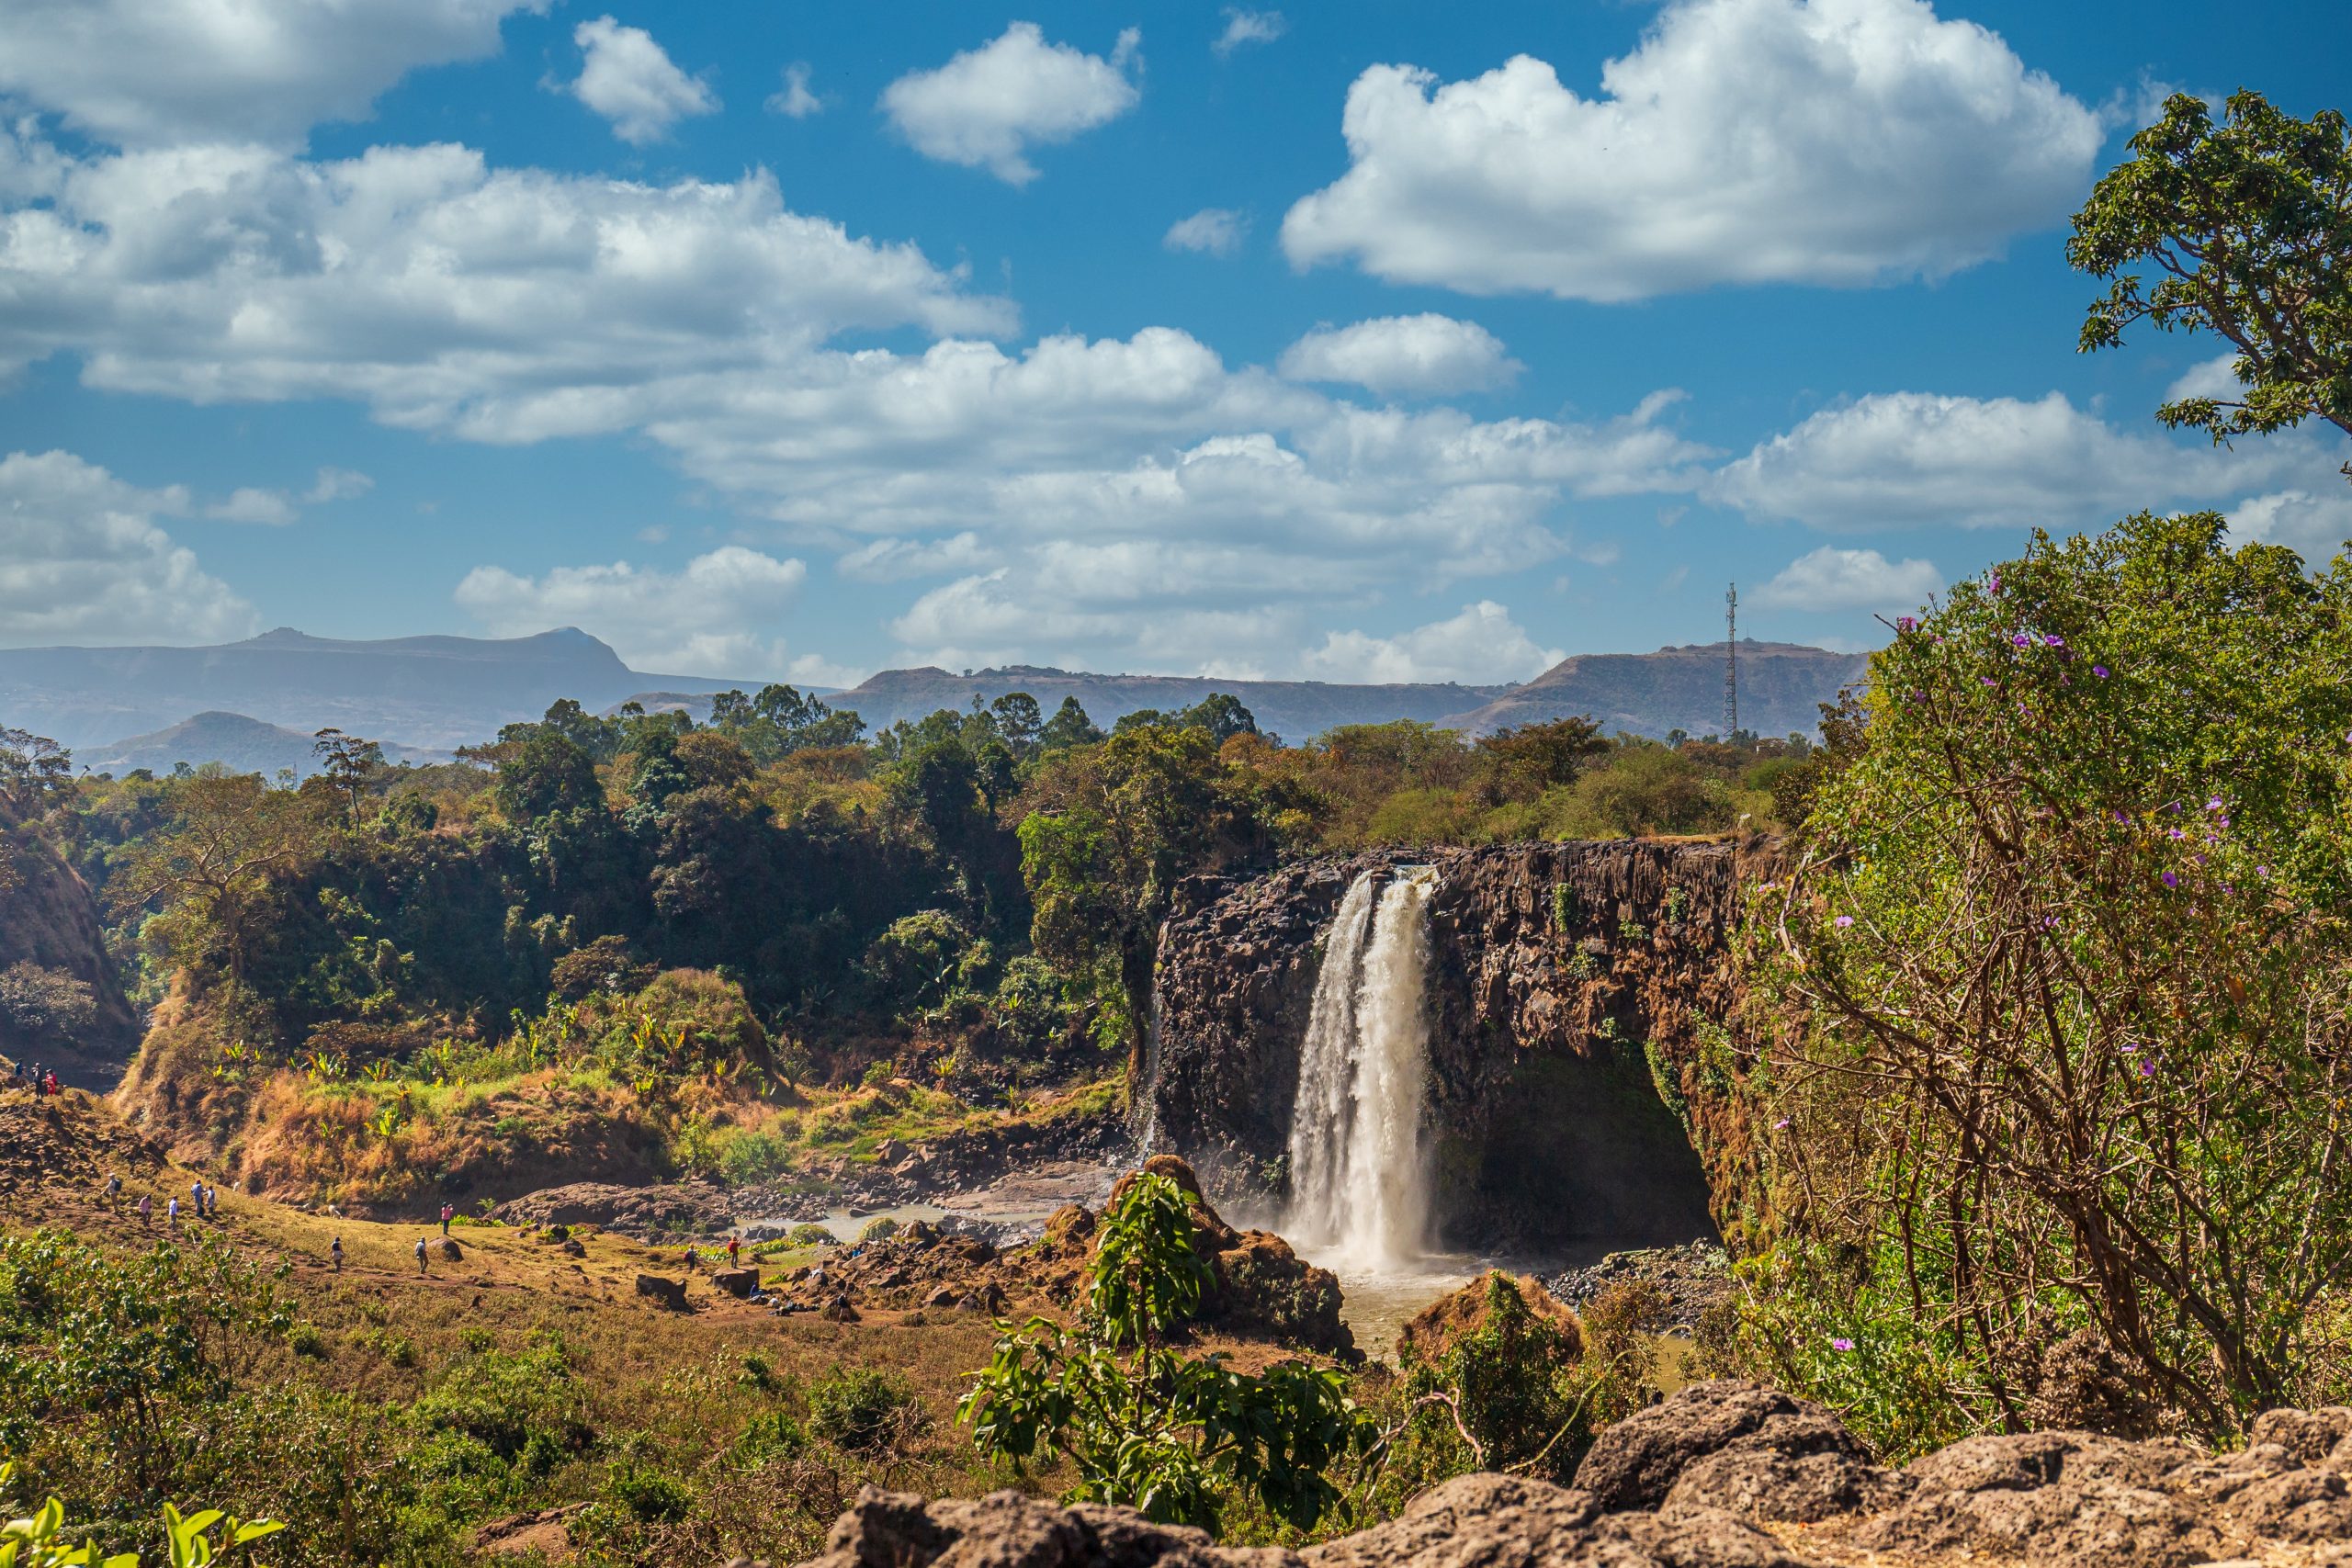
column 1731, row 662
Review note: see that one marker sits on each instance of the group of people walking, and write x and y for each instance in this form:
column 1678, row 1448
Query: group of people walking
column 203, row 1202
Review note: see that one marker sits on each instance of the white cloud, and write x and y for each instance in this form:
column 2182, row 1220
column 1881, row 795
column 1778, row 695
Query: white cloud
column 150, row 73
column 1826, row 141
column 895, row 560
column 988, row 105
column 276, row 508
column 629, row 79
column 1213, row 231
column 1249, row 27
column 717, row 618
column 2314, row 527
column 83, row 561
column 2215, row 378
column 1482, row 646
column 794, row 100
column 1910, row 458
column 504, row 305
column 1427, row 353
column 1834, row 579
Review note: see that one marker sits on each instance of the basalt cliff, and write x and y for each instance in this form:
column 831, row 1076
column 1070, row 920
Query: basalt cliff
column 1577, row 999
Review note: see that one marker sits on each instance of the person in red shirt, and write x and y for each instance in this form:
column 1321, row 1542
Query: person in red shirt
column 733, row 1246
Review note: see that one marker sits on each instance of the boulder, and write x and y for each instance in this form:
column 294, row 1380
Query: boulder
column 666, row 1293
column 2051, row 1497
column 740, row 1283
column 450, row 1251
column 1735, row 1446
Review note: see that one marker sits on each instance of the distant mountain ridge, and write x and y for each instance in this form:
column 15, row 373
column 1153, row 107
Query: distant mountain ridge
column 432, row 691
column 246, row 745
column 432, row 694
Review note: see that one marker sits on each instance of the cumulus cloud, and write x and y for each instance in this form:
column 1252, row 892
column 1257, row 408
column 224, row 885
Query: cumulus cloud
column 1247, row 28
column 82, row 560
column 276, row 508
column 149, row 73
column 986, row 108
column 2316, row 527
column 1902, row 459
column 629, row 79
column 1213, row 231
column 1834, row 579
column 794, row 100
column 717, row 618
column 504, row 305
column 895, row 560
column 1482, row 646
column 1824, row 141
column 1427, row 353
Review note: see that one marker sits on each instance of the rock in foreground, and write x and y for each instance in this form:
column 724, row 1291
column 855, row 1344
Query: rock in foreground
column 1732, row 1474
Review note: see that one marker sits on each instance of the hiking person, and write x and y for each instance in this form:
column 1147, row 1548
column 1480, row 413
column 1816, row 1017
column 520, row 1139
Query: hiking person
column 420, row 1255
column 334, row 1252
column 734, row 1250
column 448, row 1211
column 114, row 1190
column 146, row 1212
column 196, row 1196
column 694, row 1259
column 54, row 1086
column 211, row 1201
column 172, row 1215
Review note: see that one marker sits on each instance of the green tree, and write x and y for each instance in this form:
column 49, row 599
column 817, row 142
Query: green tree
column 230, row 834
column 350, row 765
column 1142, row 1425
column 1020, row 720
column 2248, row 228
column 1069, row 728
column 2071, row 932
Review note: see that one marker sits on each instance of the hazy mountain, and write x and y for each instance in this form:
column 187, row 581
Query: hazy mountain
column 247, row 745
column 1292, row 709
column 432, row 691
column 1781, row 686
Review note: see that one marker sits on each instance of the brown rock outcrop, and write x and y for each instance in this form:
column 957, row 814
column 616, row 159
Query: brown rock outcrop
column 1735, row 1475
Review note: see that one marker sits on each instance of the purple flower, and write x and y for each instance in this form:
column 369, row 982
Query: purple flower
column 2170, row 880
column 2147, row 1069
column 2200, row 860
column 2214, row 804
column 2022, row 640
column 1845, row 921
column 1986, row 679
column 1905, row 624
column 2054, row 640
column 2099, row 671
column 2131, row 1050
column 1997, row 582
column 2121, row 816
column 2175, row 833
column 2263, row 872
column 1781, row 1123
column 2048, row 922
column 1841, row 1346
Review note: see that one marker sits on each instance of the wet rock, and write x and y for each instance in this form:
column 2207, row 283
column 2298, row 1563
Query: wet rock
column 1740, row 1446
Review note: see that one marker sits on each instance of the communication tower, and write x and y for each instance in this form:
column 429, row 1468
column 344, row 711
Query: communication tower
column 1731, row 662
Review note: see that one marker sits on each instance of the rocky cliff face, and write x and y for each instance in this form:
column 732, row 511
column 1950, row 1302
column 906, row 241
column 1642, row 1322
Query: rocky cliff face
column 48, row 918
column 1573, row 1002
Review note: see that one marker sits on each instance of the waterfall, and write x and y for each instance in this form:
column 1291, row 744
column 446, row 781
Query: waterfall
column 1358, row 1185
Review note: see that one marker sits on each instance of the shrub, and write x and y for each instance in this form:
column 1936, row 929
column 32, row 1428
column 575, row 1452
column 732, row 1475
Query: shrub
column 863, row 1410
column 811, row 1235
column 882, row 1227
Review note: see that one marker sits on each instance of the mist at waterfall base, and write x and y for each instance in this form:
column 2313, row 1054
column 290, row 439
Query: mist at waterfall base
column 1359, row 1174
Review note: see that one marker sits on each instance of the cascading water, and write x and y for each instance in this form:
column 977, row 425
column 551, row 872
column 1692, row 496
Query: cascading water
column 1359, row 1191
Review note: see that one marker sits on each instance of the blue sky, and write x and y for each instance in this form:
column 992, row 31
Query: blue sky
column 1350, row 342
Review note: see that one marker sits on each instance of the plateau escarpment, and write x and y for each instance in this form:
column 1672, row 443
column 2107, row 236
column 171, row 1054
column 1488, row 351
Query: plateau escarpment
column 1575, row 998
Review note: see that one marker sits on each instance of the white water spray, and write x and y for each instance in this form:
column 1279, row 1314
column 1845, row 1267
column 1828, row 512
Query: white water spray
column 1358, row 1187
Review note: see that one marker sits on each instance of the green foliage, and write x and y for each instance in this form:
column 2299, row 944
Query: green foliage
column 882, row 1227
column 47, row 1003
column 811, row 1235
column 1643, row 788
column 864, row 1410
column 2071, row 933
column 41, row 1540
column 1152, row 1429
column 2247, row 227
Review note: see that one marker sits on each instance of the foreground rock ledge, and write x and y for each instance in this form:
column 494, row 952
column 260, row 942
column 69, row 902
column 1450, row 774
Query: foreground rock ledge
column 1733, row 1474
